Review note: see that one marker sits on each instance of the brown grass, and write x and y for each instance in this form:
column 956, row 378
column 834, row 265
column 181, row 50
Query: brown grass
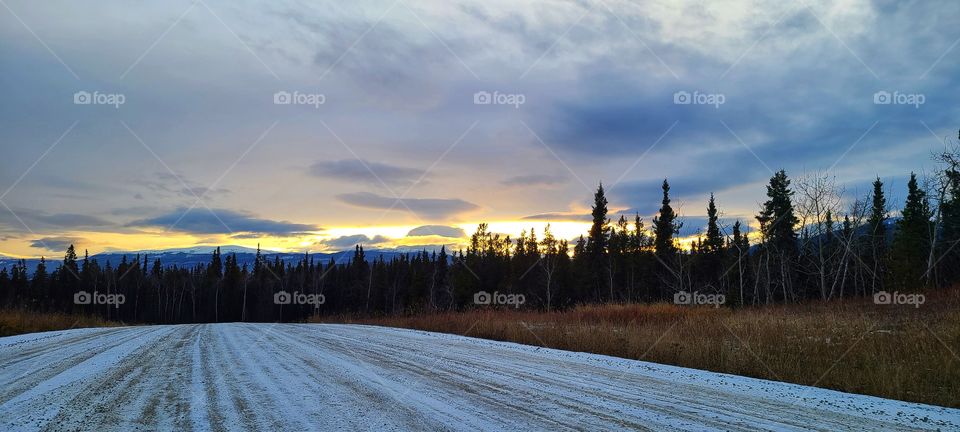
column 19, row 321
column 897, row 352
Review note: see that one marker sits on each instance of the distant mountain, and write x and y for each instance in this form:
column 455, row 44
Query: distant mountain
column 197, row 250
column 8, row 262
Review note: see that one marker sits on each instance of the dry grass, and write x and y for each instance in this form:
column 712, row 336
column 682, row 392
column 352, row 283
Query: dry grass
column 897, row 352
column 19, row 321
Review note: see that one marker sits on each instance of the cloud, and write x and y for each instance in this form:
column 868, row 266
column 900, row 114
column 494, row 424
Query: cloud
column 134, row 211
column 222, row 221
column 40, row 221
column 165, row 185
column 435, row 208
column 349, row 241
column 599, row 97
column 70, row 220
column 54, row 244
column 534, row 180
column 558, row 217
column 627, row 213
column 355, row 170
column 437, row 230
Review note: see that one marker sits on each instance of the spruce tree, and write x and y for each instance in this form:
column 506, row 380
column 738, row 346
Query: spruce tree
column 714, row 240
column 600, row 229
column 712, row 248
column 665, row 227
column 40, row 281
column 949, row 240
column 910, row 242
column 777, row 221
column 597, row 243
column 777, row 218
column 877, row 236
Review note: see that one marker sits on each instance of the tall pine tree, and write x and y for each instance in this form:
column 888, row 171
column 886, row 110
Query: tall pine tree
column 877, row 236
column 912, row 239
column 777, row 221
column 665, row 227
column 597, row 242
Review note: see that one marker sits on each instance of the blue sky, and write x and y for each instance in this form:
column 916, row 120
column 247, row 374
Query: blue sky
column 200, row 152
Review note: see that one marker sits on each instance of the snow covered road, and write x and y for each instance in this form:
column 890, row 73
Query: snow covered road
column 345, row 377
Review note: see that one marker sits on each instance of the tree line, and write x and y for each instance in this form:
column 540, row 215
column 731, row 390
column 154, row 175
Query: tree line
column 812, row 242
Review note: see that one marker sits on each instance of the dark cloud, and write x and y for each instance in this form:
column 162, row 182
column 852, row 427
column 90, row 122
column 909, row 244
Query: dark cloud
column 200, row 220
column 355, row 170
column 436, row 208
column 437, row 230
column 71, row 220
column 534, row 180
column 38, row 221
column 349, row 241
column 55, row 244
column 647, row 195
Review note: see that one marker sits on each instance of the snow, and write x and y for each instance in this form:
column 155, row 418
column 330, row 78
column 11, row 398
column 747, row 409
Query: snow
column 194, row 250
column 349, row 377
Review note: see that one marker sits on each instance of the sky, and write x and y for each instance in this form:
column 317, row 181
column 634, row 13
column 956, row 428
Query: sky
column 313, row 126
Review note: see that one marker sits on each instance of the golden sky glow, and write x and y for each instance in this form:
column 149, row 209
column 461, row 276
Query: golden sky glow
column 396, row 236
column 201, row 152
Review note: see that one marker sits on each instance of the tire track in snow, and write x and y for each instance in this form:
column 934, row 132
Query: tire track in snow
column 674, row 400
column 44, row 363
column 142, row 389
column 386, row 360
column 217, row 377
column 70, row 376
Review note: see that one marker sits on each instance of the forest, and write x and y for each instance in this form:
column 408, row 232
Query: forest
column 813, row 243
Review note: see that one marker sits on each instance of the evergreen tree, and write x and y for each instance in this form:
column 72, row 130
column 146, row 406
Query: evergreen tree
column 877, row 236
column 712, row 248
column 949, row 240
column 777, row 221
column 665, row 227
column 39, row 283
column 777, row 218
column 6, row 291
column 597, row 243
column 68, row 282
column 912, row 239
column 948, row 236
column 714, row 239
